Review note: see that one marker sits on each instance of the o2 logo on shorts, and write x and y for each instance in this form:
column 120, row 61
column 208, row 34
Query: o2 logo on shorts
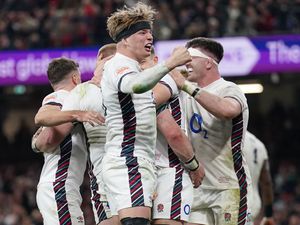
column 196, row 118
column 187, row 209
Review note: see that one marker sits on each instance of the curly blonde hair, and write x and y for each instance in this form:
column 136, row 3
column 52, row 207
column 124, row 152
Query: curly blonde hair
column 123, row 18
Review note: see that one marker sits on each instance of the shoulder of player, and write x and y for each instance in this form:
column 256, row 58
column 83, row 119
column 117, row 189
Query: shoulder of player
column 228, row 84
column 119, row 65
column 84, row 89
column 56, row 96
column 253, row 139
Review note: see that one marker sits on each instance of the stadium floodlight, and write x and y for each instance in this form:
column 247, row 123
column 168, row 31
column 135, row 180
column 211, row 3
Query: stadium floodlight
column 253, row 88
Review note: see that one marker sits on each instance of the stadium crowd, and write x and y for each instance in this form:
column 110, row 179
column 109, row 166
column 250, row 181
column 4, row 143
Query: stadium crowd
column 29, row 24
column 53, row 23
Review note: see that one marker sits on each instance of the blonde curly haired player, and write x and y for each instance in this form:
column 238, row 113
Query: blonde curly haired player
column 129, row 171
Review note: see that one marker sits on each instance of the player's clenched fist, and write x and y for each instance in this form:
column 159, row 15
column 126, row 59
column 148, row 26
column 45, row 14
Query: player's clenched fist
column 180, row 56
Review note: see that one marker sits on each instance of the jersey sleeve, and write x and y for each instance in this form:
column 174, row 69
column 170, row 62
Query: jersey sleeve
column 233, row 91
column 55, row 98
column 118, row 71
column 170, row 84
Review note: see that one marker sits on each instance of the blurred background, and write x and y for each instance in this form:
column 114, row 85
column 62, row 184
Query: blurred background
column 262, row 37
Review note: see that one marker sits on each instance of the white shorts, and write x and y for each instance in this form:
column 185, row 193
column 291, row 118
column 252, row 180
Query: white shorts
column 129, row 181
column 61, row 206
column 99, row 202
column 220, row 207
column 256, row 205
column 174, row 194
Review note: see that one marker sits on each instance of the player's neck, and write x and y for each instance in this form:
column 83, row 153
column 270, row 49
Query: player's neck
column 63, row 86
column 125, row 51
column 208, row 78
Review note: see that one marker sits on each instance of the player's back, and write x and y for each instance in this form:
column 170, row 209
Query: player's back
column 255, row 154
column 87, row 97
column 67, row 163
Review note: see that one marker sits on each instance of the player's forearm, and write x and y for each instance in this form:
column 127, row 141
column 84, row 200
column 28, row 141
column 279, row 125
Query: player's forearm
column 266, row 189
column 219, row 107
column 55, row 118
column 51, row 137
column 161, row 94
column 222, row 108
column 174, row 135
column 143, row 81
column 181, row 146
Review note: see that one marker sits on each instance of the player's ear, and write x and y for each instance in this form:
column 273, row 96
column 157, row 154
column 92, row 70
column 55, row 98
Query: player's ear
column 124, row 42
column 155, row 59
column 76, row 79
column 209, row 63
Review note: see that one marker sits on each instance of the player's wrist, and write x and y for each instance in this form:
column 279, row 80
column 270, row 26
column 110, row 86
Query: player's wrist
column 269, row 210
column 191, row 88
column 34, row 147
column 75, row 117
column 192, row 164
column 169, row 64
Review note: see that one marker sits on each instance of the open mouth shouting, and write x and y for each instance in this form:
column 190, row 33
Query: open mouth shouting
column 148, row 47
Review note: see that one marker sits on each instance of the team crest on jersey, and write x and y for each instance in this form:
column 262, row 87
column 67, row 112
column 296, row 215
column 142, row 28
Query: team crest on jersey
column 80, row 219
column 227, row 217
column 160, row 208
column 122, row 70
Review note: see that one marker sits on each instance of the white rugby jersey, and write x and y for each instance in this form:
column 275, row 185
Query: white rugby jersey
column 164, row 155
column 130, row 118
column 67, row 163
column 217, row 143
column 255, row 155
column 87, row 97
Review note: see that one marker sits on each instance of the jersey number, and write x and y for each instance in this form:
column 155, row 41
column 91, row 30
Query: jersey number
column 197, row 128
column 255, row 156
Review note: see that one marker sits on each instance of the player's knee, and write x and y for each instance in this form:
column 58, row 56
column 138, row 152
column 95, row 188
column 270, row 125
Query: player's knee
column 135, row 221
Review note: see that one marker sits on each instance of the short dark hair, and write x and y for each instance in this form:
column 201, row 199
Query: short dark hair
column 208, row 45
column 59, row 68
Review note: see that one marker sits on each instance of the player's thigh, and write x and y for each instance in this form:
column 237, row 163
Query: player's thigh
column 231, row 207
column 201, row 216
column 166, row 222
column 57, row 208
column 100, row 205
column 129, row 182
column 174, row 195
column 200, row 212
column 46, row 203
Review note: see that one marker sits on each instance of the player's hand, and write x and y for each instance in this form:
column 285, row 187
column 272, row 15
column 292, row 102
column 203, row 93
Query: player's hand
column 267, row 221
column 33, row 140
column 99, row 70
column 197, row 176
column 93, row 118
column 36, row 134
column 178, row 78
column 180, row 56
